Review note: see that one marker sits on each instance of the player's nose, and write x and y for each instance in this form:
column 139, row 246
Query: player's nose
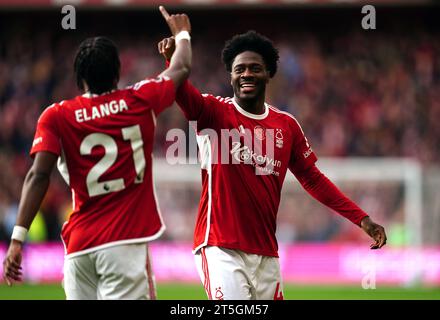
column 247, row 73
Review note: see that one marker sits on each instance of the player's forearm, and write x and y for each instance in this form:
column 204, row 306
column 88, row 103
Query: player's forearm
column 180, row 64
column 34, row 189
column 188, row 99
column 323, row 190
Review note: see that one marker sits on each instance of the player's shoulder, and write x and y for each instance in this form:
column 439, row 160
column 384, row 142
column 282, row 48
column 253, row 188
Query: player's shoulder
column 218, row 99
column 51, row 110
column 56, row 105
column 147, row 82
column 57, row 109
column 281, row 114
column 285, row 116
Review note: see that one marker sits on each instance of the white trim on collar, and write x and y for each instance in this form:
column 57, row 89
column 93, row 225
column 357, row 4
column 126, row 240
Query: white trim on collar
column 252, row 115
column 89, row 95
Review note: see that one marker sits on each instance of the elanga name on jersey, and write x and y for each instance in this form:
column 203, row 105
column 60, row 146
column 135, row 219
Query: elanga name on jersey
column 104, row 110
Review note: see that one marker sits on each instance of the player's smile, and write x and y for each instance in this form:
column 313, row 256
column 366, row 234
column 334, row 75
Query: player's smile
column 247, row 86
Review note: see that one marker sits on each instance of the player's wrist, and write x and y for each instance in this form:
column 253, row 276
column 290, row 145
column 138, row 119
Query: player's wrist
column 365, row 221
column 182, row 35
column 19, row 234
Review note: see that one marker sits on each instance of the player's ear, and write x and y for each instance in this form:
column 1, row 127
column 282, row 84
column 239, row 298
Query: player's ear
column 267, row 75
column 85, row 86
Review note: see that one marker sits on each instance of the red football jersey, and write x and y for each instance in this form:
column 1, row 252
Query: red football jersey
column 240, row 199
column 104, row 143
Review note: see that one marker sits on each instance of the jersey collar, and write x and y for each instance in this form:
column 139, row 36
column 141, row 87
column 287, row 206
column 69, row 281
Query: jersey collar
column 90, row 95
column 252, row 115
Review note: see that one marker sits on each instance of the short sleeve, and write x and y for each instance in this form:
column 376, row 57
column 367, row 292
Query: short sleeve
column 47, row 136
column 158, row 92
column 302, row 156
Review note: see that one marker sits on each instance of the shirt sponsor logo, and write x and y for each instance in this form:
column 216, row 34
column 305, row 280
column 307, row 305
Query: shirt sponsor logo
column 259, row 133
column 101, row 111
column 246, row 155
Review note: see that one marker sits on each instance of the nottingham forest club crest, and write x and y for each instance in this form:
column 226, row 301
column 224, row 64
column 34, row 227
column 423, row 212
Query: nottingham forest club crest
column 279, row 138
column 260, row 134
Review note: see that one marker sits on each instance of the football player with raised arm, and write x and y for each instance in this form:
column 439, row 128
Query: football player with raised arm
column 235, row 247
column 102, row 142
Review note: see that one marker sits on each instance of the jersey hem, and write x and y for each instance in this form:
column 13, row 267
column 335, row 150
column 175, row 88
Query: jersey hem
column 116, row 243
column 228, row 246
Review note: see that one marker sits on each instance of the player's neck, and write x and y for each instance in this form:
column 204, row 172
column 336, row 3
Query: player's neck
column 254, row 106
column 91, row 94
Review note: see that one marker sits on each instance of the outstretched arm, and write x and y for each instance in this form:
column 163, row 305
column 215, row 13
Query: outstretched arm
column 189, row 99
column 34, row 189
column 180, row 61
column 322, row 189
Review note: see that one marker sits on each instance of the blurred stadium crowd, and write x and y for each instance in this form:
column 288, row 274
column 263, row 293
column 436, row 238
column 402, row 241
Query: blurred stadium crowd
column 355, row 93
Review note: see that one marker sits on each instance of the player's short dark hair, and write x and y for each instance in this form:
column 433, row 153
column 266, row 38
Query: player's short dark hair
column 251, row 41
column 97, row 63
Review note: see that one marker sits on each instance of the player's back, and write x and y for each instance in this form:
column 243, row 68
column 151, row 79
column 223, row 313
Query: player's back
column 105, row 139
column 106, row 144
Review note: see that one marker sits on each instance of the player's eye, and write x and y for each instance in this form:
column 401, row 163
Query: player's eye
column 257, row 69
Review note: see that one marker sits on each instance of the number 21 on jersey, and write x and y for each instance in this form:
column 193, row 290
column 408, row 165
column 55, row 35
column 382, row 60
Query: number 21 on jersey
column 131, row 134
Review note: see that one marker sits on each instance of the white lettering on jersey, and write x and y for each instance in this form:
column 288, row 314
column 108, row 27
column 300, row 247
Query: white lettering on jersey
column 103, row 110
column 37, row 141
column 307, row 153
column 244, row 154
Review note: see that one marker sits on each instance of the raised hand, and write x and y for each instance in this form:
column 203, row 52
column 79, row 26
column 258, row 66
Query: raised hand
column 375, row 231
column 180, row 54
column 166, row 47
column 176, row 22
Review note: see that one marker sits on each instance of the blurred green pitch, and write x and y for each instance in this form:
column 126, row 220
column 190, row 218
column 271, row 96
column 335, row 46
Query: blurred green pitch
column 178, row 291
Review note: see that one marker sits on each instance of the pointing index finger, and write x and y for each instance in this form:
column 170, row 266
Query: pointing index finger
column 164, row 12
